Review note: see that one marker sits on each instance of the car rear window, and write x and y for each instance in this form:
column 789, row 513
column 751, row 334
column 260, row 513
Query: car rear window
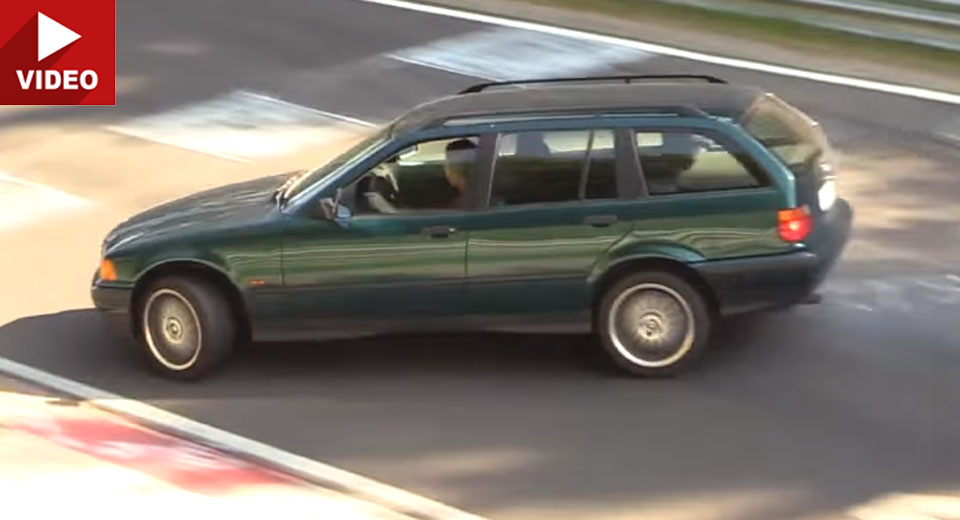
column 795, row 139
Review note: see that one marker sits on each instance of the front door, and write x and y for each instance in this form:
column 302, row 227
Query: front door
column 397, row 256
column 555, row 208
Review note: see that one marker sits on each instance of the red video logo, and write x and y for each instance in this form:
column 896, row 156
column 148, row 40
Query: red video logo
column 57, row 52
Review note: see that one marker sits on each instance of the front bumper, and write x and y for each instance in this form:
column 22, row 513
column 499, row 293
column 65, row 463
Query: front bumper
column 113, row 302
column 772, row 281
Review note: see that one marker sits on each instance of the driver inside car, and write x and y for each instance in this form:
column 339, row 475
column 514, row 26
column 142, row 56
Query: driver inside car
column 379, row 191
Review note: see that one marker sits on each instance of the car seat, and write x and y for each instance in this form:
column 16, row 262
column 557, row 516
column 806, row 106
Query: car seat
column 532, row 145
column 663, row 165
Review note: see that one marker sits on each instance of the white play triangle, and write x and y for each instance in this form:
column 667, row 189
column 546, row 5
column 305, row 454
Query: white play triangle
column 52, row 36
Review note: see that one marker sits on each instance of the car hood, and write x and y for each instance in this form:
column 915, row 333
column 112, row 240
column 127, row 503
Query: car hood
column 233, row 205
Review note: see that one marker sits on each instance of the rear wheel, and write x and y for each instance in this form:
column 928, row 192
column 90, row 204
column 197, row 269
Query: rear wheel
column 186, row 327
column 653, row 324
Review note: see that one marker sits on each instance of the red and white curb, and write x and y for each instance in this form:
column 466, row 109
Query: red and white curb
column 98, row 463
column 200, row 466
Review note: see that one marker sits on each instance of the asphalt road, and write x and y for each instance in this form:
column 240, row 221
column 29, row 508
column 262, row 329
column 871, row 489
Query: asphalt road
column 799, row 414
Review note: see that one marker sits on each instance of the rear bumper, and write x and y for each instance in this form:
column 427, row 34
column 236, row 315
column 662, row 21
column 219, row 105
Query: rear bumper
column 114, row 305
column 772, row 281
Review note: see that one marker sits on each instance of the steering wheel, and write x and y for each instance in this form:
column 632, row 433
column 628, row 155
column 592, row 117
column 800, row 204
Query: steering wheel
column 378, row 190
column 390, row 188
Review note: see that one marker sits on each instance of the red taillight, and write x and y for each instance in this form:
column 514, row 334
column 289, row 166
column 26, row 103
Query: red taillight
column 794, row 224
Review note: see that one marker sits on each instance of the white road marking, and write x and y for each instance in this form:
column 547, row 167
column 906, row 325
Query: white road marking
column 941, row 292
column 240, row 126
column 313, row 471
column 855, row 305
column 507, row 53
column 902, row 294
column 950, row 131
column 822, row 77
column 23, row 202
column 902, row 506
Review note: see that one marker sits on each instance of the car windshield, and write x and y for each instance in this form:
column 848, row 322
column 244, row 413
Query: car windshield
column 311, row 177
column 794, row 138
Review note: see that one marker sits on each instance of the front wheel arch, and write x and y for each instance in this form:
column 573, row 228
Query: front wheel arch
column 216, row 277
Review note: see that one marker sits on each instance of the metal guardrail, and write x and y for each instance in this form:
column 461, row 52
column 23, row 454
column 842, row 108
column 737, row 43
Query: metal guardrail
column 894, row 11
column 930, row 23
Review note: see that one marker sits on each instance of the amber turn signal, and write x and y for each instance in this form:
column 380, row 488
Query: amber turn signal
column 108, row 272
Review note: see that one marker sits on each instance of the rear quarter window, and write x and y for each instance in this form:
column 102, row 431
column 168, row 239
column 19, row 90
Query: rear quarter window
column 691, row 161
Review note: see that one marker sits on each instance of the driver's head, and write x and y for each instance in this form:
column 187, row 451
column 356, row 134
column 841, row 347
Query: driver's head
column 460, row 156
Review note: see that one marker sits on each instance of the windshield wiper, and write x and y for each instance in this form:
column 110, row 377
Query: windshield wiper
column 280, row 194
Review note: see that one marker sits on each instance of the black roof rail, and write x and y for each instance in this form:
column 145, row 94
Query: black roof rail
column 626, row 79
column 680, row 110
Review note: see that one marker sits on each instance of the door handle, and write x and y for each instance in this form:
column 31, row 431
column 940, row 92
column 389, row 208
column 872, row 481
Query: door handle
column 600, row 220
column 438, row 231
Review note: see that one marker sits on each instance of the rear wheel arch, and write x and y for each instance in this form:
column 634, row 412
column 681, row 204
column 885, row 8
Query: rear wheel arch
column 630, row 266
column 193, row 269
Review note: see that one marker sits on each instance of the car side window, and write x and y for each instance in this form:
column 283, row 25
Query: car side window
column 687, row 161
column 429, row 176
column 554, row 166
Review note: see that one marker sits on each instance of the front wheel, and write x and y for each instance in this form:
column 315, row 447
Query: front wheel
column 186, row 327
column 653, row 324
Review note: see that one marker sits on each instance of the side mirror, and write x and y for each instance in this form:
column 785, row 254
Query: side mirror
column 343, row 213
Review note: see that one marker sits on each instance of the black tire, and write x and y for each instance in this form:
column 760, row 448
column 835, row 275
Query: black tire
column 671, row 332
column 201, row 314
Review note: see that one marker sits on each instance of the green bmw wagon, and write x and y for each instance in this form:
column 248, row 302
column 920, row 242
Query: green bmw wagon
column 642, row 209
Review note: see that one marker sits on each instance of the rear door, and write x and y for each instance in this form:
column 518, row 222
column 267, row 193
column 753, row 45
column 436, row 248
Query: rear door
column 556, row 204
